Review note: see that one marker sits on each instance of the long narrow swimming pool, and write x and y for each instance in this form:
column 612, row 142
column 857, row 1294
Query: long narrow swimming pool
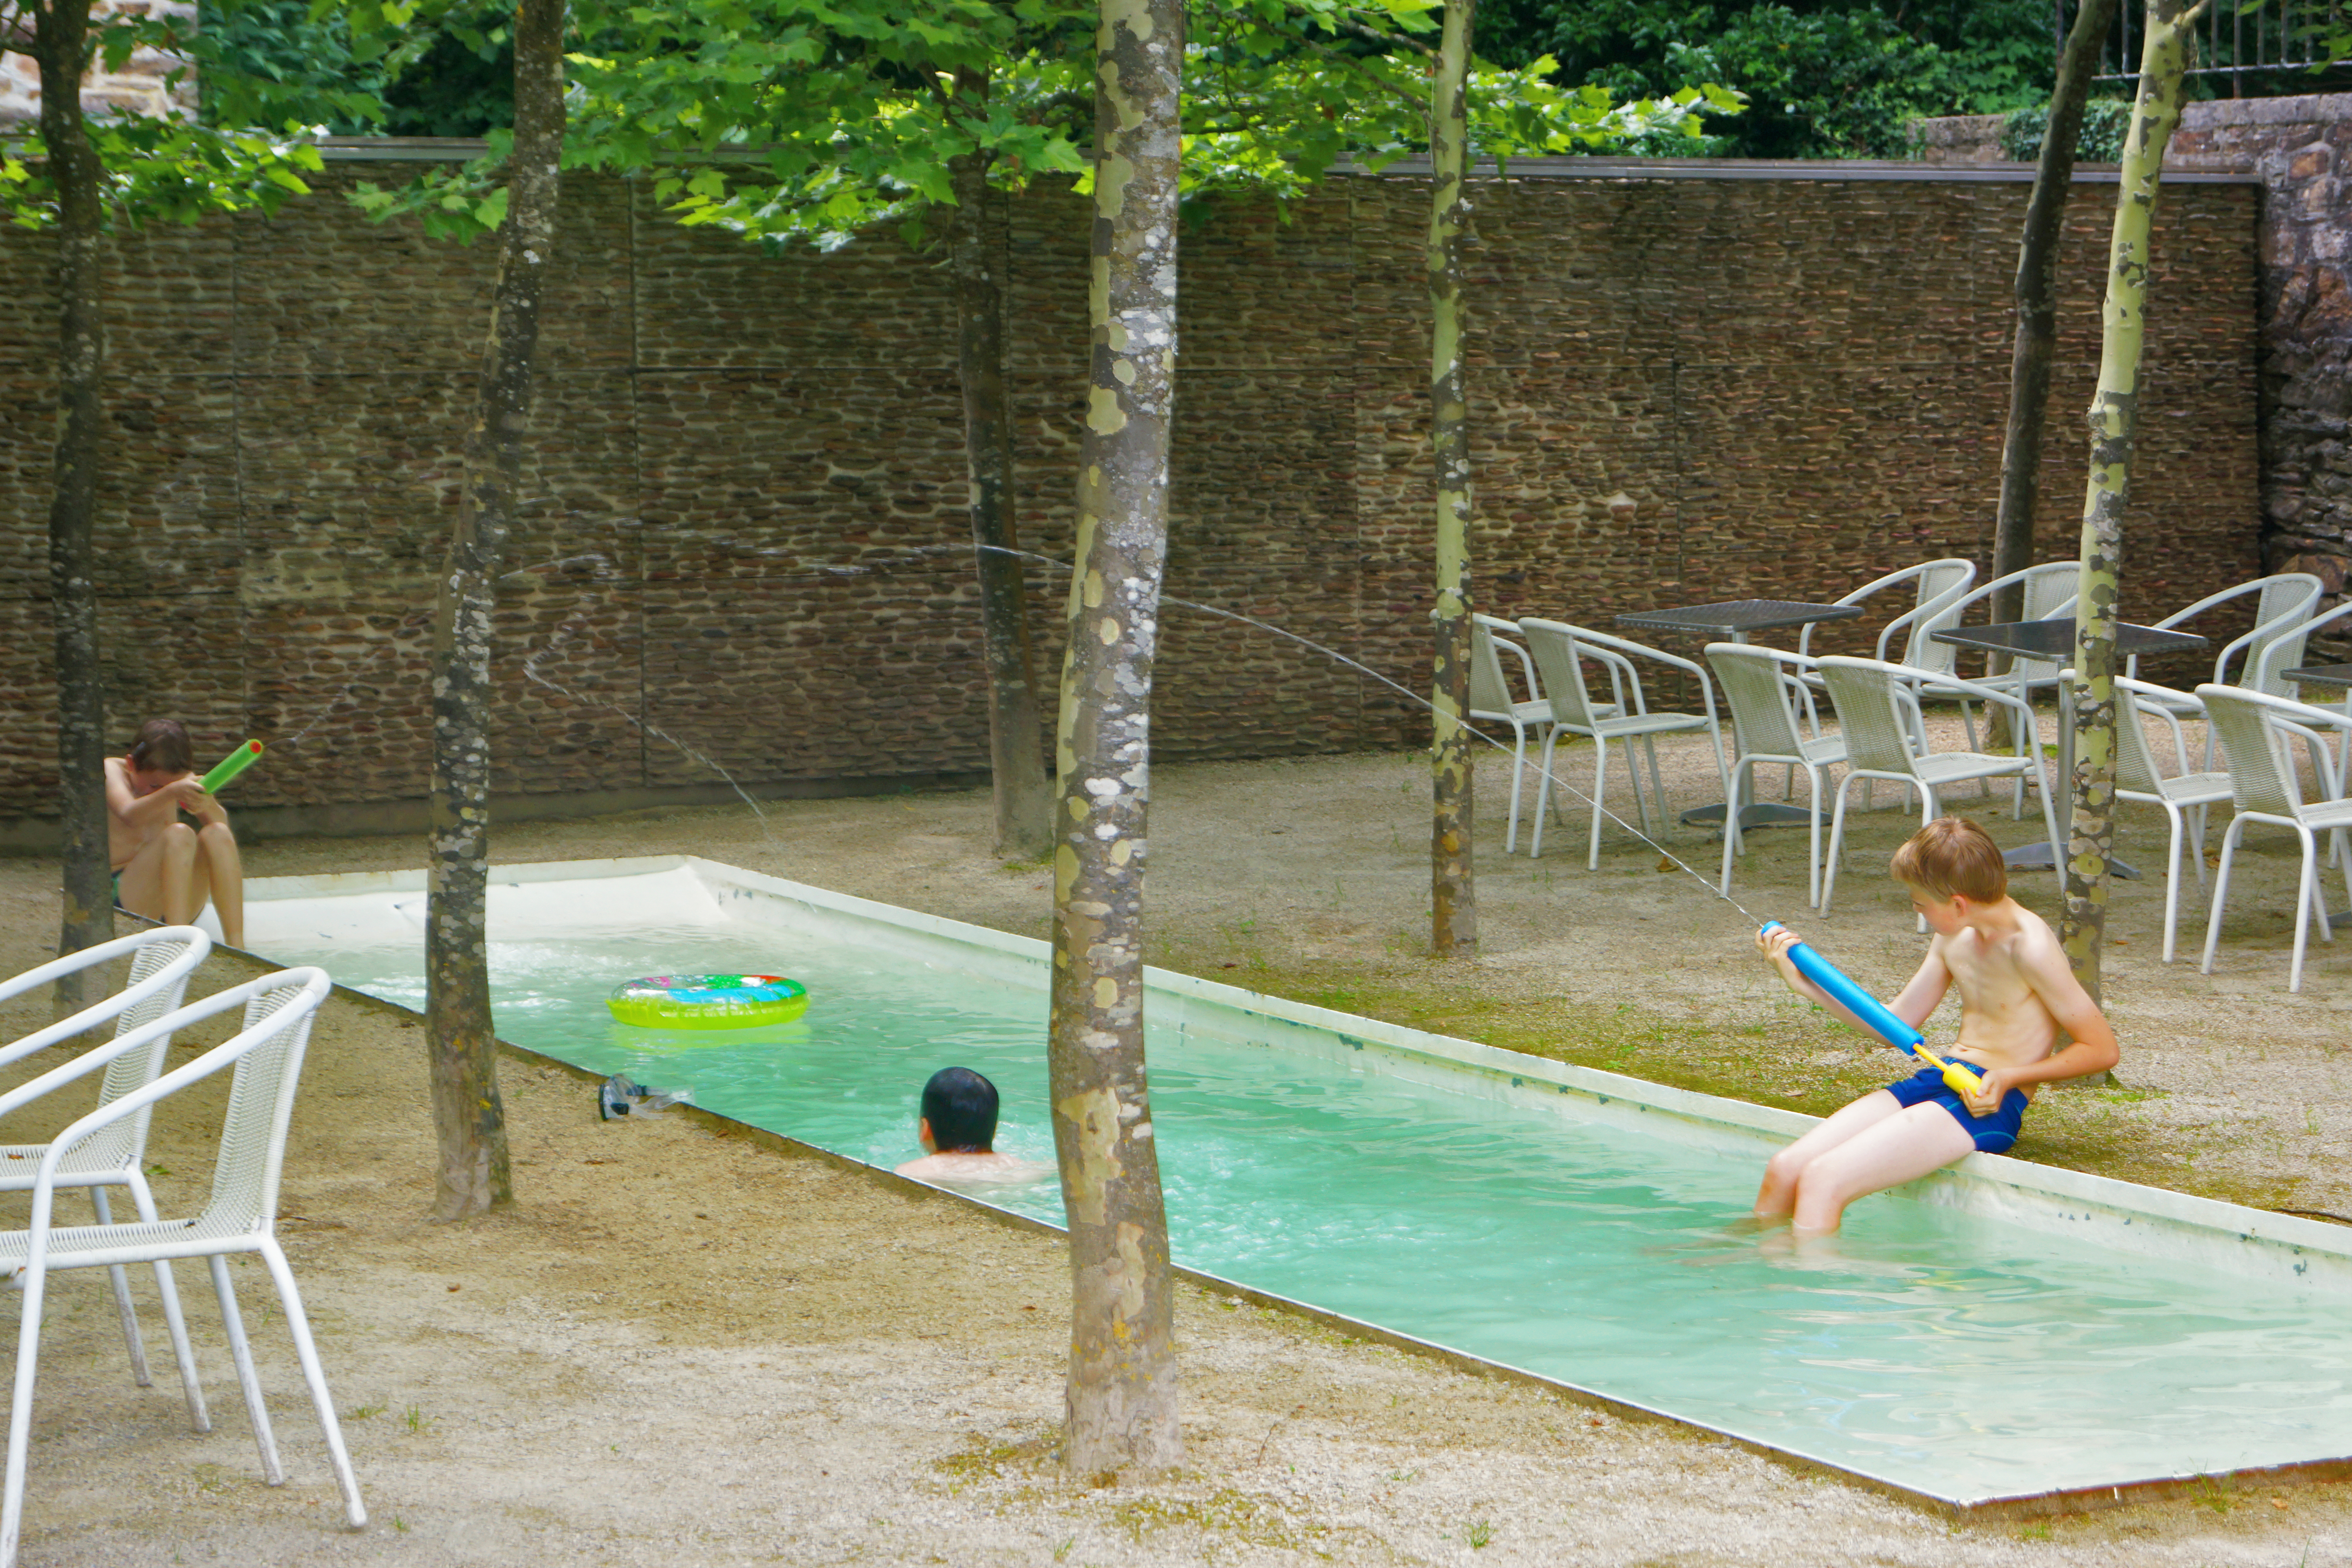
column 2004, row 1331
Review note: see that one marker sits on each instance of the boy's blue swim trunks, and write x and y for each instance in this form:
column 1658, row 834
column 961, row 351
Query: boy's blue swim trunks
column 1994, row 1134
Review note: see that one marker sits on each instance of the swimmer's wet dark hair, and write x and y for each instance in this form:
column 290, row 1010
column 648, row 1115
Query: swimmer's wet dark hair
column 162, row 747
column 1953, row 858
column 961, row 1106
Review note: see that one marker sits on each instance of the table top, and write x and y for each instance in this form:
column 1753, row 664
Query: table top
column 1737, row 615
column 2324, row 675
column 2055, row 639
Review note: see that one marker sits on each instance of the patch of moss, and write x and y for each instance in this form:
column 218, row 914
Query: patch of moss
column 1228, row 1510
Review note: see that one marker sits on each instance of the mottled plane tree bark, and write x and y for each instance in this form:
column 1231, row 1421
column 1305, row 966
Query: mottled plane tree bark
column 1122, row 1377
column 1023, row 795
column 2037, row 311
column 62, row 47
column 1453, row 893
column 471, row 1172
column 2115, row 423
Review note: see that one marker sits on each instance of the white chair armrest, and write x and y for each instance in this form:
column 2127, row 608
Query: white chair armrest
column 197, row 946
column 315, row 987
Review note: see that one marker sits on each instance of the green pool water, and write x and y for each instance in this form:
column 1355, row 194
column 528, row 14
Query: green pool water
column 1947, row 1353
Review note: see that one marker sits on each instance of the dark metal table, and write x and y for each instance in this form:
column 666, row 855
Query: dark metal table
column 2054, row 639
column 2339, row 675
column 1732, row 621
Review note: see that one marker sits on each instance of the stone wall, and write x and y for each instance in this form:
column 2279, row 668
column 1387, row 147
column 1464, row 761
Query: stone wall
column 2301, row 149
column 150, row 82
column 744, row 542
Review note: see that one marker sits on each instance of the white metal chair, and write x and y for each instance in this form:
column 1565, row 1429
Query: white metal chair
column 1878, row 708
column 1936, row 584
column 161, row 960
column 2138, row 778
column 1561, row 650
column 2266, row 673
column 2285, row 602
column 1762, row 685
column 240, row 1216
column 1942, row 588
column 2049, row 593
column 2257, row 733
column 1493, row 700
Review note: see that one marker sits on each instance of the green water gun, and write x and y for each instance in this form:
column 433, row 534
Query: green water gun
column 236, row 763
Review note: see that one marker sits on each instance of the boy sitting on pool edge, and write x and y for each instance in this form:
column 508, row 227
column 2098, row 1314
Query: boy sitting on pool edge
column 957, row 1131
column 2018, row 995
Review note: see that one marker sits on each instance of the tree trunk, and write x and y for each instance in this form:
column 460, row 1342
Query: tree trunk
column 1122, row 1383
column 1452, row 901
column 1024, row 797
column 2037, row 315
column 2115, row 420
column 468, row 1119
column 61, row 48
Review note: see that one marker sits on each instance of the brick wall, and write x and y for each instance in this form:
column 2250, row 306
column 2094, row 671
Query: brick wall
column 744, row 526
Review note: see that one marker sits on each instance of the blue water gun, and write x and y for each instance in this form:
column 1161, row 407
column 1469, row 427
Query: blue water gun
column 1958, row 1076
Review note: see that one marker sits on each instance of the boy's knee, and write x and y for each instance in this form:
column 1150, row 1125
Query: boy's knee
column 179, row 838
column 215, row 833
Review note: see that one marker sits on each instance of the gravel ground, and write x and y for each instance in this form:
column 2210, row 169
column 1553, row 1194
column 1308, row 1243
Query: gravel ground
column 683, row 1348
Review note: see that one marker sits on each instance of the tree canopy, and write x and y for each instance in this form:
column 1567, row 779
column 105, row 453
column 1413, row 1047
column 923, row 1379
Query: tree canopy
column 1824, row 78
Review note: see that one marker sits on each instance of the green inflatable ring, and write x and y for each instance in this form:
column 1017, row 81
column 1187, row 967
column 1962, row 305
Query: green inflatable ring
column 707, row 1001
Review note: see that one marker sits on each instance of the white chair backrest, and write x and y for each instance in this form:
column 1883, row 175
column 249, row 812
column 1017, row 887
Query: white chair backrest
column 1490, row 692
column 2137, row 701
column 2260, row 756
column 163, row 957
column 121, row 1142
column 261, row 1098
column 2050, row 593
column 1939, row 612
column 1867, row 697
column 2267, row 674
column 1559, row 667
column 1755, row 685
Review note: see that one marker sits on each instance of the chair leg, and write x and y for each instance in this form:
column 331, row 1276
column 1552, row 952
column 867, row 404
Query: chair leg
column 20, row 1410
column 1837, row 845
column 1518, row 766
column 120, row 1281
column 201, row 1419
column 1814, row 836
column 298, row 1323
column 1543, row 794
column 2172, row 878
column 2057, row 845
column 2199, row 846
column 2304, row 877
column 1658, row 785
column 241, row 1353
column 2220, row 892
column 1731, row 824
column 1600, row 789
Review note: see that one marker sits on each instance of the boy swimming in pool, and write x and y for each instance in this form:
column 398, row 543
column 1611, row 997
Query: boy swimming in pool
column 2018, row 997
column 957, row 1132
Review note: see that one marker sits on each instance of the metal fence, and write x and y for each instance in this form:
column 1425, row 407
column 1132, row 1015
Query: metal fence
column 2263, row 48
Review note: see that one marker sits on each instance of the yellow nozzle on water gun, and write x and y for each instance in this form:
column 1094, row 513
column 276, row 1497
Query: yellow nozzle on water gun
column 1958, row 1076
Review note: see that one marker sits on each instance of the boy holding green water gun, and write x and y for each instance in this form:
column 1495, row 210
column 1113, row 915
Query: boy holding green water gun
column 2018, row 997
column 165, row 868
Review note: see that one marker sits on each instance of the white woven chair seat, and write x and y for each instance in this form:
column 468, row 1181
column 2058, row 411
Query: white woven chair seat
column 1640, row 724
column 69, row 1243
column 2327, row 813
column 2188, row 789
column 1519, row 713
column 1958, row 767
